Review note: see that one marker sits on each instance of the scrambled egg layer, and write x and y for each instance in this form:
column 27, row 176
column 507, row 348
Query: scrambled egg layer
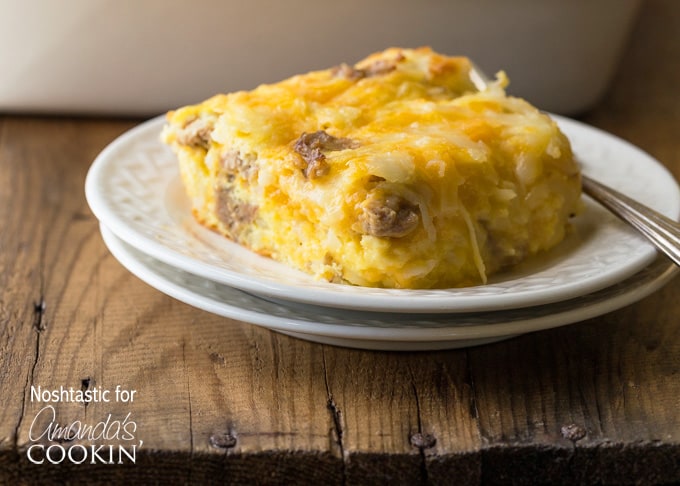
column 395, row 172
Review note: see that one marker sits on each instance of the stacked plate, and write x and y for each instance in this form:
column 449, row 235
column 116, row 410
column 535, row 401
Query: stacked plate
column 134, row 189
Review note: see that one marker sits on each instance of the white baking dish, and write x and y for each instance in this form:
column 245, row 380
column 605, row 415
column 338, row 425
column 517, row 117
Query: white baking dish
column 143, row 57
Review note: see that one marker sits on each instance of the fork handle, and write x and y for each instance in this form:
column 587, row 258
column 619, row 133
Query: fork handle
column 663, row 232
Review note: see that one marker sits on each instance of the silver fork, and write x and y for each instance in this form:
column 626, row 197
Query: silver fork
column 663, row 232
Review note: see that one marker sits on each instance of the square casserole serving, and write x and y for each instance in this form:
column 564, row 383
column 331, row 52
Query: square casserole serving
column 394, row 172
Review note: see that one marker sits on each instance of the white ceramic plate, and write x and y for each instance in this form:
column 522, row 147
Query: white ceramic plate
column 133, row 187
column 382, row 330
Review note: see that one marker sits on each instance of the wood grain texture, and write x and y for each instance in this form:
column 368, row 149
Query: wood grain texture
column 222, row 401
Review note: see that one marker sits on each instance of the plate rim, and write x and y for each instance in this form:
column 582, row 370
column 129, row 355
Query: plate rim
column 628, row 294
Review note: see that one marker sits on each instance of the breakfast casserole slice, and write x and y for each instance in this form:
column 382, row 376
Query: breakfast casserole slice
column 395, row 172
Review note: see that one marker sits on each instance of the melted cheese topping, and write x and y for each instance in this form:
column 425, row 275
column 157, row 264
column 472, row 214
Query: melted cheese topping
column 418, row 179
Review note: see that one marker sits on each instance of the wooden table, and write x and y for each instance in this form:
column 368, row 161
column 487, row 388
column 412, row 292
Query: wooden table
column 219, row 400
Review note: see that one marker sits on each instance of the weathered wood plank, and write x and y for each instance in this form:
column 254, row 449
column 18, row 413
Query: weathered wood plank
column 409, row 405
column 36, row 214
column 20, row 309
